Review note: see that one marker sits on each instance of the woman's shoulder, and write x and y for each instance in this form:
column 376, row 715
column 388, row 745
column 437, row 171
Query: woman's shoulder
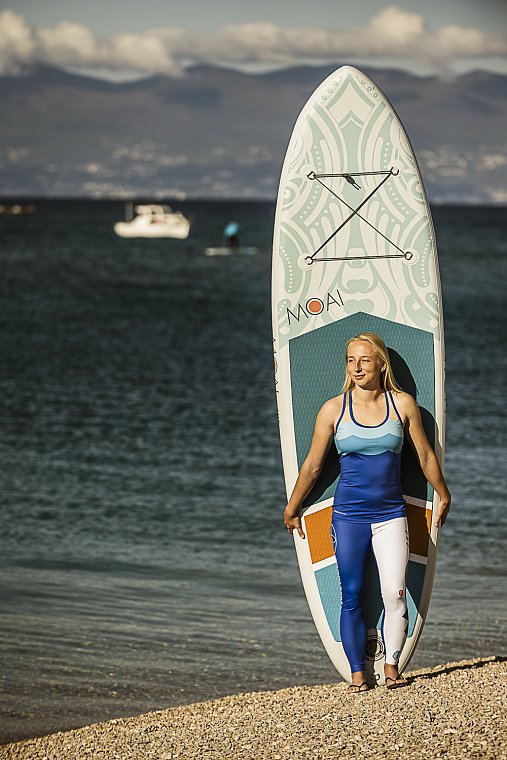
column 332, row 405
column 336, row 400
column 404, row 400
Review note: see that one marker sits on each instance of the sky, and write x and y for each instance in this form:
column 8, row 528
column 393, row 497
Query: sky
column 124, row 38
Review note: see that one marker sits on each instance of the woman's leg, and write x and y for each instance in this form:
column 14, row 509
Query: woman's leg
column 352, row 543
column 390, row 546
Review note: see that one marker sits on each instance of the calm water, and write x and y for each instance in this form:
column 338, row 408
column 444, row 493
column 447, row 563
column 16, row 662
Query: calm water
column 143, row 559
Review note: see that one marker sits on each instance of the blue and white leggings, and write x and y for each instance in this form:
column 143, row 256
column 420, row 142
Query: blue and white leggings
column 352, row 543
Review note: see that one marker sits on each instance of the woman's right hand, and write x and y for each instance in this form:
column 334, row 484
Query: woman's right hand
column 293, row 521
column 311, row 467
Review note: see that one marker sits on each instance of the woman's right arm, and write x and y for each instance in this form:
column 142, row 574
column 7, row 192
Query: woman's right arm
column 311, row 467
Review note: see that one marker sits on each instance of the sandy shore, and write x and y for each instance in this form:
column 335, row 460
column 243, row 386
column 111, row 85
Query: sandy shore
column 456, row 710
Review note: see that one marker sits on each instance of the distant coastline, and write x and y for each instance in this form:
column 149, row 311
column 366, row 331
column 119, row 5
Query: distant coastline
column 35, row 201
column 222, row 133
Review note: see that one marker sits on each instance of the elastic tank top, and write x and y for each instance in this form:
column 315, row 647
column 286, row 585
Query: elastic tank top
column 369, row 487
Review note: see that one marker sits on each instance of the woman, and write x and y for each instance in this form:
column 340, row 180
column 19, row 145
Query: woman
column 368, row 422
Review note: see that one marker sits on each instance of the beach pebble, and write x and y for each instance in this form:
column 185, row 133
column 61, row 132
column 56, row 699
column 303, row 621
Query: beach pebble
column 454, row 711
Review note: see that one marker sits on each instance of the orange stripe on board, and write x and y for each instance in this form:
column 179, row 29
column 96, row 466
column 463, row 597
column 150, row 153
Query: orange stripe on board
column 318, row 533
column 419, row 527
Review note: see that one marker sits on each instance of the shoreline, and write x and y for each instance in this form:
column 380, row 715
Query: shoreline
column 456, row 710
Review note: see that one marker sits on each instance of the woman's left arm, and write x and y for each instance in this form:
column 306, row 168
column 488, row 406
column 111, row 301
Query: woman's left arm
column 426, row 456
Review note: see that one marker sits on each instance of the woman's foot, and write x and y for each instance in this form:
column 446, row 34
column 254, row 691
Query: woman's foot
column 393, row 679
column 355, row 688
column 358, row 682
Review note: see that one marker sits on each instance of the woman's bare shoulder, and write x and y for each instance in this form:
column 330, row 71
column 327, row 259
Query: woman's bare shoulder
column 332, row 405
column 404, row 400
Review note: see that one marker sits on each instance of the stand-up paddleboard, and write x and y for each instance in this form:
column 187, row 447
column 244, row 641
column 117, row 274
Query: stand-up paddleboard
column 354, row 251
column 242, row 250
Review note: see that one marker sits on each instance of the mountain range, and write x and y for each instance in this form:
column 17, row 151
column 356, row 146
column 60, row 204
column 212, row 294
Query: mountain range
column 217, row 132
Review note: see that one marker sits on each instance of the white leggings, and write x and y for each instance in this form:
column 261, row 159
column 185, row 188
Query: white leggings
column 389, row 541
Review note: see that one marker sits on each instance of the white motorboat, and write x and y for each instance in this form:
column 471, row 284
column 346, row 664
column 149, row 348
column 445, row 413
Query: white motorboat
column 154, row 221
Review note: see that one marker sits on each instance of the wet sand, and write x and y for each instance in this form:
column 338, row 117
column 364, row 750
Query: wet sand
column 456, row 711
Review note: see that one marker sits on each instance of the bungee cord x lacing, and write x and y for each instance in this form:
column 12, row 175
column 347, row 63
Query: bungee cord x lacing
column 349, row 177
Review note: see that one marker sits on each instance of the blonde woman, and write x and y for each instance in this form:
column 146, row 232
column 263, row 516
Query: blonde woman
column 368, row 423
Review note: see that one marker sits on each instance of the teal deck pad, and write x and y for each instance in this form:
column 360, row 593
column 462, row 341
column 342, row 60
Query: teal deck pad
column 317, row 374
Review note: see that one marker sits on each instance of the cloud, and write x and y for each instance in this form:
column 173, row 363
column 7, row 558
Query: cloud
column 392, row 33
column 70, row 44
column 65, row 42
column 16, row 43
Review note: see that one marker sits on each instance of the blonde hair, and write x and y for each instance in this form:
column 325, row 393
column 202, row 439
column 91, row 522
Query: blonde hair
column 387, row 379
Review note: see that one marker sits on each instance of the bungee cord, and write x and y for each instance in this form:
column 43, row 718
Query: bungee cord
column 349, row 177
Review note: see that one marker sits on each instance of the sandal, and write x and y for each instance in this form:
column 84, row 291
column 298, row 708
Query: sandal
column 397, row 682
column 356, row 688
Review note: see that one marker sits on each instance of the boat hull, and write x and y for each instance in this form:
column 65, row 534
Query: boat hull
column 128, row 230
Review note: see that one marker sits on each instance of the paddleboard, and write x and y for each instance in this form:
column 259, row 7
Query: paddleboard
column 245, row 250
column 354, row 250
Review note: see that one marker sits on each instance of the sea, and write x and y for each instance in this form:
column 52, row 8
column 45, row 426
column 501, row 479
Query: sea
column 143, row 559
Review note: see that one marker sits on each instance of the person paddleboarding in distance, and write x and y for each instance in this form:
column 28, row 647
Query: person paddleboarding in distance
column 368, row 422
column 231, row 235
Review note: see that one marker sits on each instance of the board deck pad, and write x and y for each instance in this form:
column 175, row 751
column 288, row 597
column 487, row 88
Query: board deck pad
column 354, row 251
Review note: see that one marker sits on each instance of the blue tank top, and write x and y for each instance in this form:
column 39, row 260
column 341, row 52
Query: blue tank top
column 369, row 487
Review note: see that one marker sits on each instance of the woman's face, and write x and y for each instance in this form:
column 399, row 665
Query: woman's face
column 363, row 364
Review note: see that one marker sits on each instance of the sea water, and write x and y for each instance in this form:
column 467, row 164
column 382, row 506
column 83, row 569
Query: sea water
column 143, row 558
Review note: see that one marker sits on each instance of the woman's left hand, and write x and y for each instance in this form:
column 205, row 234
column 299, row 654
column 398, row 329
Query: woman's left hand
column 444, row 506
column 292, row 521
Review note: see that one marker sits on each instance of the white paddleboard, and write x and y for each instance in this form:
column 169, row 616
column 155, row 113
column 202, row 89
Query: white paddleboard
column 353, row 251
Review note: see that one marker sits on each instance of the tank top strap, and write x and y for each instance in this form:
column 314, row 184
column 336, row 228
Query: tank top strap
column 394, row 407
column 342, row 412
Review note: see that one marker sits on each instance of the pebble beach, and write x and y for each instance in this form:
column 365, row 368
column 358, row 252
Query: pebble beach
column 457, row 710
